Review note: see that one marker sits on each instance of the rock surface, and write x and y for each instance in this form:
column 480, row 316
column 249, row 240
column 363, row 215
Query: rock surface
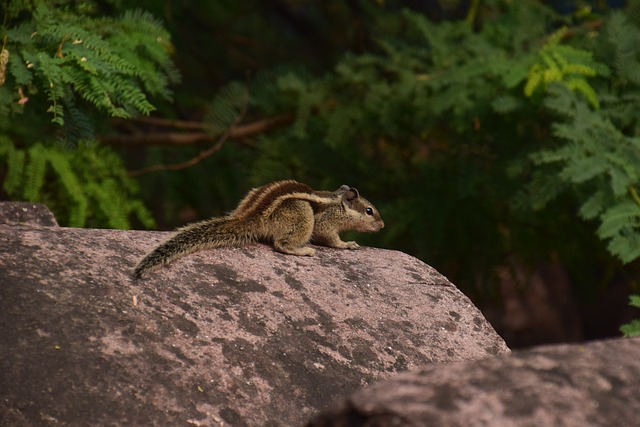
column 595, row 384
column 26, row 213
column 221, row 337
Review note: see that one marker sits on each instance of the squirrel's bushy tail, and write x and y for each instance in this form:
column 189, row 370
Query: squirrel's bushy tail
column 213, row 233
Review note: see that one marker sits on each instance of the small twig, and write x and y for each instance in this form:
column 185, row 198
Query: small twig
column 203, row 154
column 634, row 194
column 473, row 12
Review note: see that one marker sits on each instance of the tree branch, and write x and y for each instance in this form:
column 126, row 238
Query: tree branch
column 169, row 123
column 203, row 154
column 188, row 138
column 183, row 165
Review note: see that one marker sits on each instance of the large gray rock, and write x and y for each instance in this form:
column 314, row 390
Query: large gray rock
column 227, row 336
column 26, row 213
column 595, row 384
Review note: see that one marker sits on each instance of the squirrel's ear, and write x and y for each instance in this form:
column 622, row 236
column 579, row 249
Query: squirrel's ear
column 350, row 195
column 340, row 191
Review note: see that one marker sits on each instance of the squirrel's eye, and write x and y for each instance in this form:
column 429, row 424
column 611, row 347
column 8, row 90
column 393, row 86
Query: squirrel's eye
column 369, row 211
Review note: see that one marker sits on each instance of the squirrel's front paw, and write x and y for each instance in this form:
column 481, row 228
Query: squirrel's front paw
column 351, row 245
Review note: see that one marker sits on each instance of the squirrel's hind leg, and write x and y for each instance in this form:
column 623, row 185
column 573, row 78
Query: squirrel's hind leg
column 294, row 229
column 285, row 249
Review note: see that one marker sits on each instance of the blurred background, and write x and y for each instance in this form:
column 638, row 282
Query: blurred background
column 499, row 139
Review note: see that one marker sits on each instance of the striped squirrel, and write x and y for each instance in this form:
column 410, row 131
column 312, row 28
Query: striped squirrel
column 286, row 214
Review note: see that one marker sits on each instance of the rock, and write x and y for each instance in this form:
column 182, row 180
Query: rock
column 593, row 384
column 227, row 336
column 26, row 213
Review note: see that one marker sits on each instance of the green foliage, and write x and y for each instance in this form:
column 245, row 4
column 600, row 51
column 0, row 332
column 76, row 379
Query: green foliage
column 65, row 68
column 600, row 159
column 601, row 162
column 111, row 63
column 92, row 189
column 226, row 108
column 566, row 65
column 632, row 329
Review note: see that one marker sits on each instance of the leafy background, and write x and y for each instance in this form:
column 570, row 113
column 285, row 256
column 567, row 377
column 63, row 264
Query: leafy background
column 499, row 139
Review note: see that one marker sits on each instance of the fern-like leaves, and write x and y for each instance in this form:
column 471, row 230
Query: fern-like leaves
column 84, row 186
column 632, row 329
column 565, row 65
column 598, row 157
column 113, row 64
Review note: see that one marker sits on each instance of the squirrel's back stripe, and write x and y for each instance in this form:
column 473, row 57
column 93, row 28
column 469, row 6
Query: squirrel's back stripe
column 315, row 200
column 261, row 198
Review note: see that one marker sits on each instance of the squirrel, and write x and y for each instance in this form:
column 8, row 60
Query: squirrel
column 286, row 214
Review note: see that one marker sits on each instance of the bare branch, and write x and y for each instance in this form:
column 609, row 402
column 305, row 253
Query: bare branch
column 177, row 166
column 203, row 154
column 181, row 138
column 168, row 123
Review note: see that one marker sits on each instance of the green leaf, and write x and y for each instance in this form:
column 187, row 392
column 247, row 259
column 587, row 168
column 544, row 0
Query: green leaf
column 618, row 217
column 34, row 172
column 580, row 169
column 625, row 245
column 631, row 329
column 226, row 108
column 62, row 167
column 594, row 205
column 505, row 104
